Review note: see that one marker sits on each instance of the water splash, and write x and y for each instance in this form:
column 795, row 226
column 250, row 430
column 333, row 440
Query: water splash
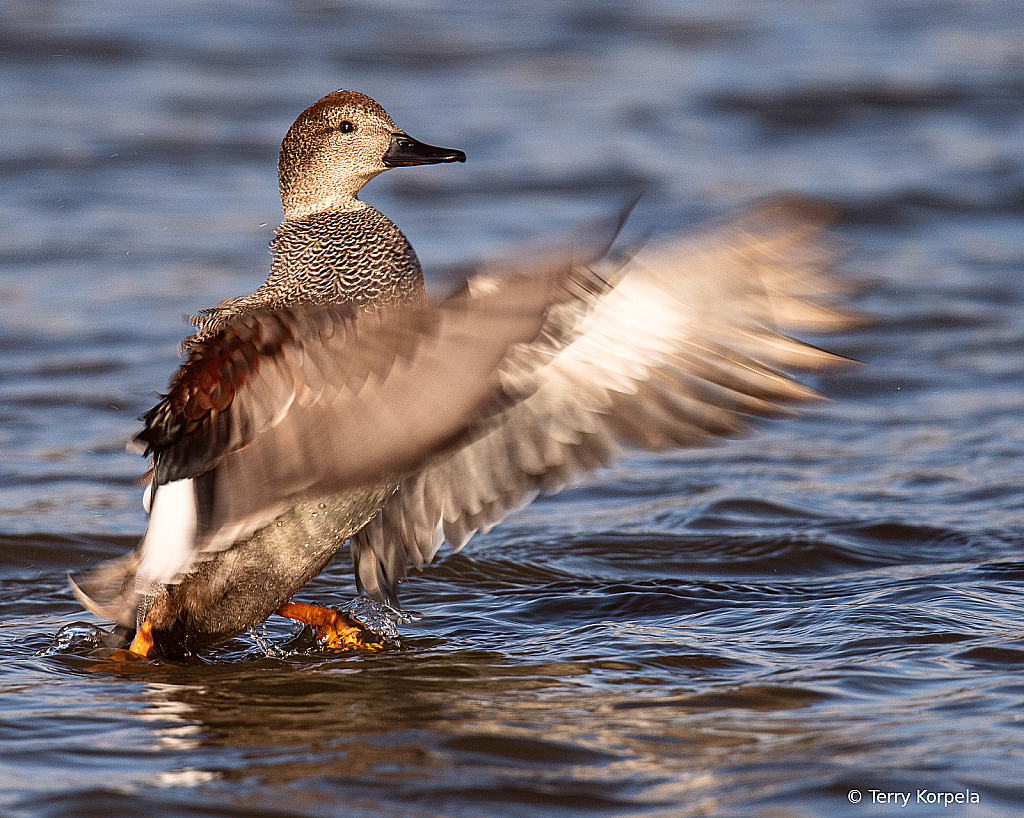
column 378, row 619
column 265, row 643
column 76, row 638
column 382, row 619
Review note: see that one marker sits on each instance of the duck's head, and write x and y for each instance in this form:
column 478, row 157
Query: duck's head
column 337, row 145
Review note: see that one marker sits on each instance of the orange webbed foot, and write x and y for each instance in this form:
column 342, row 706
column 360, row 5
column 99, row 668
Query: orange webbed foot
column 142, row 644
column 333, row 628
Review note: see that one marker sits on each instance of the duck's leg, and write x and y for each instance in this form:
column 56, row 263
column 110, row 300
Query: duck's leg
column 142, row 644
column 333, row 628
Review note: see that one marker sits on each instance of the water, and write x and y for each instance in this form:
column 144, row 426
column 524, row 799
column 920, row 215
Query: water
column 752, row 630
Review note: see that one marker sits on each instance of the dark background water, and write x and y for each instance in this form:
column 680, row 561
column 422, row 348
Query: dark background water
column 751, row 630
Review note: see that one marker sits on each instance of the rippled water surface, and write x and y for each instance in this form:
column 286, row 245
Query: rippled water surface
column 758, row 629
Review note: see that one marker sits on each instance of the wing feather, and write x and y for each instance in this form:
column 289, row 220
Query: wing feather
column 286, row 405
column 684, row 342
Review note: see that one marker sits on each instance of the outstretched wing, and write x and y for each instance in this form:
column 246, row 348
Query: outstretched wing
column 683, row 342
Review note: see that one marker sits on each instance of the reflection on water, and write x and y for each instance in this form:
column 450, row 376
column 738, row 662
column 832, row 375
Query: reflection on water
column 757, row 629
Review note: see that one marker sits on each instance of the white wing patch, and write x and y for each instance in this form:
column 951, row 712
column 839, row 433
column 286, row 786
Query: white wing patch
column 168, row 549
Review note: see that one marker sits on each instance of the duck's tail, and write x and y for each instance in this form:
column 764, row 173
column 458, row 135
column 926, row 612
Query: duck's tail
column 105, row 590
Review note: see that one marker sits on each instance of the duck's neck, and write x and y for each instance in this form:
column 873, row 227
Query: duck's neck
column 356, row 256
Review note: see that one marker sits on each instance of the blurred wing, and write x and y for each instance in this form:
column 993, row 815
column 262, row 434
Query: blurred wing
column 286, row 405
column 681, row 343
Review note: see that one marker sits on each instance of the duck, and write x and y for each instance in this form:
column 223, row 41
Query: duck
column 337, row 404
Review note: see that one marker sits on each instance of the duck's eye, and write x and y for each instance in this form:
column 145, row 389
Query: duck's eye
column 346, row 127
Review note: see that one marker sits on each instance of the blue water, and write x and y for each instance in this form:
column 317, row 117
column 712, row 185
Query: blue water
column 757, row 629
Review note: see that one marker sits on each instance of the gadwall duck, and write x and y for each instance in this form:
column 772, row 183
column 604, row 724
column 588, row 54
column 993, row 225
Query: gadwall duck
column 336, row 404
